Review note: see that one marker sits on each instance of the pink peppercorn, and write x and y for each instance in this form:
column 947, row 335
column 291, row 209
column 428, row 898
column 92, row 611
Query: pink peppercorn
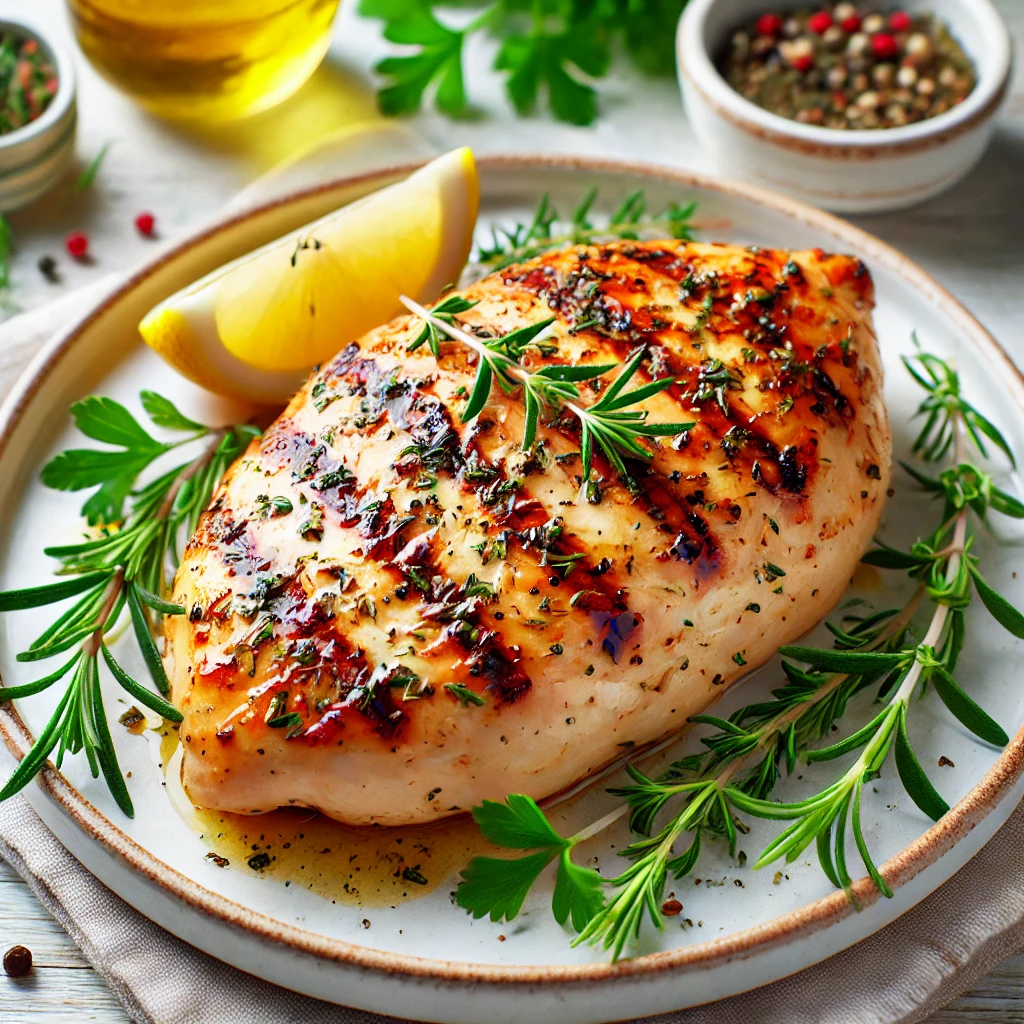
column 850, row 24
column 77, row 244
column 144, row 223
column 820, row 22
column 900, row 21
column 802, row 62
column 769, row 24
column 884, row 46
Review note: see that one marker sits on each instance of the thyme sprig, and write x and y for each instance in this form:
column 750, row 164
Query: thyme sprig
column 745, row 754
column 124, row 568
column 612, row 423
column 547, row 230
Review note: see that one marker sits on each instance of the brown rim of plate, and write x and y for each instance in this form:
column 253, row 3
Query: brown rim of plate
column 841, row 149
column 804, row 921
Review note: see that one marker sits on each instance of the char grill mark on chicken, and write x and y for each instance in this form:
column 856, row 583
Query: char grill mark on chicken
column 432, row 616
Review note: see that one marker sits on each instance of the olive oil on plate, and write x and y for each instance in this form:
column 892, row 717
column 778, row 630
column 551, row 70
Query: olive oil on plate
column 364, row 867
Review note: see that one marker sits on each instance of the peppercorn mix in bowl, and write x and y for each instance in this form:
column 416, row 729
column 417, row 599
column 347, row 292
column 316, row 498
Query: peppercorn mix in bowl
column 849, row 67
column 854, row 106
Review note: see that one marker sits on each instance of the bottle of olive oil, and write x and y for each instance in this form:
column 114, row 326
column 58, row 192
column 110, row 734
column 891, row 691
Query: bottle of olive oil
column 204, row 60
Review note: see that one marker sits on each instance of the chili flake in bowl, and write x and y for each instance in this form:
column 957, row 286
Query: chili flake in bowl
column 37, row 113
column 28, row 81
column 849, row 66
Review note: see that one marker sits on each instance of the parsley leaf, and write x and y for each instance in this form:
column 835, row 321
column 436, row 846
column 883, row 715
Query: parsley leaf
column 78, row 468
column 544, row 46
column 164, row 414
column 518, row 823
column 438, row 61
column 114, row 471
column 105, row 420
column 542, row 58
column 498, row 887
column 577, row 894
column 648, row 34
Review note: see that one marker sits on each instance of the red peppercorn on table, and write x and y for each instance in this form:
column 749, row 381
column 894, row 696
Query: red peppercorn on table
column 156, row 181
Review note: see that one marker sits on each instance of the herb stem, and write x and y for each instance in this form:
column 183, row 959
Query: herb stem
column 199, row 463
column 771, row 730
column 894, row 628
column 955, row 555
column 92, row 646
column 596, row 827
column 508, row 365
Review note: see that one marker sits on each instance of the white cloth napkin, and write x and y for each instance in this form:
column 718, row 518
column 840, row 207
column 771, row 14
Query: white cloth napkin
column 898, row 976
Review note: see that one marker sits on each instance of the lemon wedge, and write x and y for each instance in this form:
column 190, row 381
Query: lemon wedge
column 253, row 328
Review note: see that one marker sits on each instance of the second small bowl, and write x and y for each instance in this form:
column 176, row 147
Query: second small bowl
column 848, row 171
column 36, row 156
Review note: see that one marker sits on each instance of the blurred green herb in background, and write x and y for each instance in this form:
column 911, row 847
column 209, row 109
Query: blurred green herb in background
column 549, row 50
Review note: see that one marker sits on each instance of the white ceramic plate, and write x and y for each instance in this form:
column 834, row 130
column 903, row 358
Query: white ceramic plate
column 425, row 958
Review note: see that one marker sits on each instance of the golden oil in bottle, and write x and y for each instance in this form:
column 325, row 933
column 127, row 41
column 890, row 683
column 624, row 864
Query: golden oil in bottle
column 204, row 60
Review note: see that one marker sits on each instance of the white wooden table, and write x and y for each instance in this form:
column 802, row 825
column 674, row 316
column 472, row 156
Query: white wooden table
column 971, row 239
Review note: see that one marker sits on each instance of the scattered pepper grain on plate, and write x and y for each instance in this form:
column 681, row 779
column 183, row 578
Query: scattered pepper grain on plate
column 849, row 66
column 17, row 961
column 48, row 268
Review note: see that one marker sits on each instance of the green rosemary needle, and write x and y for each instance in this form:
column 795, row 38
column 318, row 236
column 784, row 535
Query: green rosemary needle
column 745, row 755
column 546, row 230
column 612, row 423
column 123, row 569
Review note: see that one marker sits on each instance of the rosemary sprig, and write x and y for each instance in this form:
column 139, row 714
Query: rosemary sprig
column 612, row 423
column 445, row 310
column 548, row 231
column 750, row 746
column 745, row 755
column 124, row 568
column 942, row 563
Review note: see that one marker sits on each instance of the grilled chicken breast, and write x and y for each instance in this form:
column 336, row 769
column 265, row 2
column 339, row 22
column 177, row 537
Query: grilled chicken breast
column 393, row 614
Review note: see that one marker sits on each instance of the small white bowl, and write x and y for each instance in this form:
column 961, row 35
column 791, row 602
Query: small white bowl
column 35, row 157
column 849, row 171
